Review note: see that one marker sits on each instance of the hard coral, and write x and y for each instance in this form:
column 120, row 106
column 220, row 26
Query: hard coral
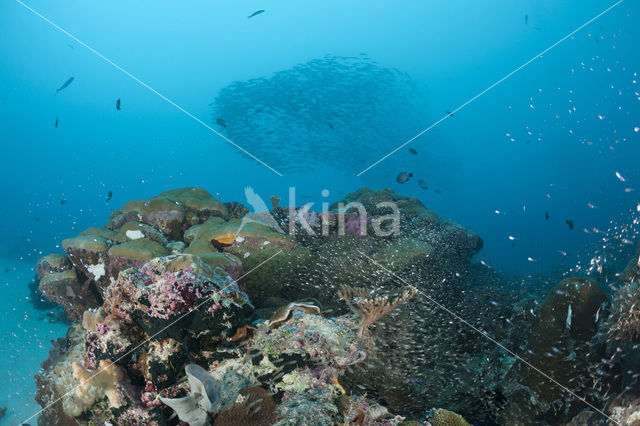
column 443, row 417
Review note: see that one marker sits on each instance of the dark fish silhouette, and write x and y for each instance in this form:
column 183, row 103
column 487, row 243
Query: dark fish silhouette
column 65, row 85
column 526, row 19
column 403, row 177
column 570, row 223
column 56, row 122
column 546, row 215
column 438, row 191
column 109, row 195
column 257, row 12
column 63, row 201
column 422, row 184
column 330, row 125
column 118, row 104
column 450, row 113
column 220, row 122
column 413, row 151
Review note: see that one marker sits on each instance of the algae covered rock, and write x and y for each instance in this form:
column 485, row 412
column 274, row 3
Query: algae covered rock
column 88, row 254
column 69, row 290
column 161, row 290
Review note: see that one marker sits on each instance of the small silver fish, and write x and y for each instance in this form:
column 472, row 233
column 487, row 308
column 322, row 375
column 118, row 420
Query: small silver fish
column 568, row 321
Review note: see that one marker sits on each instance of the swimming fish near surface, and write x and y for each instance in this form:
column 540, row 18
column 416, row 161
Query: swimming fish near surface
column 330, row 125
column 56, row 125
column 570, row 223
column 413, row 151
column 450, row 113
column 109, row 195
column 220, row 122
column 63, row 201
column 403, row 177
column 65, row 85
column 118, row 104
column 546, row 215
column 422, row 184
column 257, row 12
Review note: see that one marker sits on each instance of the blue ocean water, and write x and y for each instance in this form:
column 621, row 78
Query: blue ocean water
column 560, row 135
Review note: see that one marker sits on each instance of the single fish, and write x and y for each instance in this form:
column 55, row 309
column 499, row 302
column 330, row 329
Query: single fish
column 449, row 113
column 422, row 184
column 413, row 151
column 570, row 223
column 330, row 125
column 118, row 104
column 56, row 122
column 220, row 122
column 403, row 177
column 526, row 19
column 568, row 321
column 257, row 12
column 546, row 215
column 620, row 177
column 109, row 195
column 416, row 381
column 63, row 201
column 65, row 85
column 438, row 191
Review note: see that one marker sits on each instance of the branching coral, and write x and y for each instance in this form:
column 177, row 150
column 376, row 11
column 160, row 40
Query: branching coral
column 371, row 309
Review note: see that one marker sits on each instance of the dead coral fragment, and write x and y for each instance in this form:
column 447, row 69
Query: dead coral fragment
column 371, row 309
column 96, row 385
column 283, row 314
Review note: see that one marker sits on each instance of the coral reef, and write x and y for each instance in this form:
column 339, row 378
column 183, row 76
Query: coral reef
column 180, row 295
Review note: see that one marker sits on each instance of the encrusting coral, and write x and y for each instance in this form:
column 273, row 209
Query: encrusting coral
column 371, row 309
